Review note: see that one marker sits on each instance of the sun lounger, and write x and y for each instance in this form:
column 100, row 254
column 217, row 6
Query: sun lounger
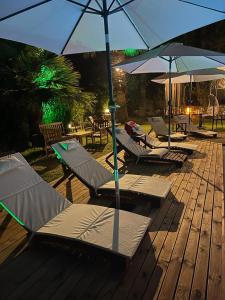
column 161, row 130
column 193, row 129
column 160, row 155
column 42, row 211
column 138, row 135
column 100, row 180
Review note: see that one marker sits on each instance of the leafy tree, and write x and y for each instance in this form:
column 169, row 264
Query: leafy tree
column 32, row 78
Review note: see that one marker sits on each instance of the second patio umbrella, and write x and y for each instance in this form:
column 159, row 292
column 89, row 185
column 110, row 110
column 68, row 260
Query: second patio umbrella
column 174, row 57
column 190, row 77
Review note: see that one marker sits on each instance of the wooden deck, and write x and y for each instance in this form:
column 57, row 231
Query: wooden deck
column 182, row 256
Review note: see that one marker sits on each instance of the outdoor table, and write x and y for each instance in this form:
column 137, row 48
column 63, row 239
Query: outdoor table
column 83, row 133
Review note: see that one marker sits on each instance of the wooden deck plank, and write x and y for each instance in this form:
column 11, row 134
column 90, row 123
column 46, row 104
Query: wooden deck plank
column 187, row 269
column 165, row 255
column 199, row 283
column 157, row 236
column 214, row 288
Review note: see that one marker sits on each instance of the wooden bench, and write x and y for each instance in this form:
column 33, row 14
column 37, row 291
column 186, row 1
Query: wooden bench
column 52, row 132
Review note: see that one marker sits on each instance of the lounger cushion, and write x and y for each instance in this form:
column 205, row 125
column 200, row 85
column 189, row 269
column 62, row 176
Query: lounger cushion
column 83, row 164
column 144, row 185
column 114, row 230
column 179, row 145
column 160, row 152
column 8, row 164
column 29, row 197
column 178, row 136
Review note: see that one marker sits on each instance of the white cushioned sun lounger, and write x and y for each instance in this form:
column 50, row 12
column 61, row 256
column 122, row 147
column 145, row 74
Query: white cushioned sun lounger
column 160, row 155
column 161, row 129
column 42, row 211
column 193, row 129
column 101, row 181
column 154, row 143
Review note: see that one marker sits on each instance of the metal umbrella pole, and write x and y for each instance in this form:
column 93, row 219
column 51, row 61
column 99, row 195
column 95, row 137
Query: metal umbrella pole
column 112, row 104
column 190, row 99
column 170, row 101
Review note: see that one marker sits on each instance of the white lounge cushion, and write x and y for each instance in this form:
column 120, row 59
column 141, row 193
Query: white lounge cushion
column 114, row 230
column 159, row 152
column 9, row 164
column 147, row 185
column 184, row 146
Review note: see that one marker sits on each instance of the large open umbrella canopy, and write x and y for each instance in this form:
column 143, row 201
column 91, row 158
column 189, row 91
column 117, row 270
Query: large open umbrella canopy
column 174, row 57
column 190, row 77
column 76, row 26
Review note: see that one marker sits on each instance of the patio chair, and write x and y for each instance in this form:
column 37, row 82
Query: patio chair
column 138, row 134
column 100, row 181
column 161, row 130
column 35, row 205
column 193, row 129
column 99, row 129
column 160, row 155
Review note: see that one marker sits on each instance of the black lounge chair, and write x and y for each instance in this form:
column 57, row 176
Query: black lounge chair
column 100, row 181
column 161, row 130
column 183, row 120
column 161, row 155
column 139, row 135
column 36, row 206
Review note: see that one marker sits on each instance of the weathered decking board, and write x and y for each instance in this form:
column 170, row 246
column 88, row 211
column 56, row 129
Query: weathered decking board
column 180, row 258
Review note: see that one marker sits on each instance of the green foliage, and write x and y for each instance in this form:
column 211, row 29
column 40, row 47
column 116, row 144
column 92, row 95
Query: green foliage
column 130, row 52
column 33, row 79
column 83, row 108
column 55, row 110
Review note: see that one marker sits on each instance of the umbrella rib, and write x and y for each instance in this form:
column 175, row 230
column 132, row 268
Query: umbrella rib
column 24, row 10
column 120, row 6
column 75, row 26
column 99, row 5
column 111, row 5
column 210, row 57
column 132, row 72
column 85, row 6
column 213, row 9
column 132, row 23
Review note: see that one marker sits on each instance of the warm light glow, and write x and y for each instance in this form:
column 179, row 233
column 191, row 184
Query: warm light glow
column 188, row 110
column 106, row 110
column 69, row 125
column 118, row 70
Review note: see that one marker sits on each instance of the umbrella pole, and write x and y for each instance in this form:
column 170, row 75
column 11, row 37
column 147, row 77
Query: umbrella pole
column 112, row 104
column 170, row 102
column 189, row 102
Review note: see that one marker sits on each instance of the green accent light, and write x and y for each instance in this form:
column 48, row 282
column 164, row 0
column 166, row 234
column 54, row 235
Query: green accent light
column 58, row 155
column 53, row 111
column 130, row 52
column 45, row 79
column 12, row 214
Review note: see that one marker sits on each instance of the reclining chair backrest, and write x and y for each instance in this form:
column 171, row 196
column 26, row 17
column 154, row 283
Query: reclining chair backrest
column 158, row 125
column 27, row 197
column 86, row 168
column 126, row 142
column 181, row 119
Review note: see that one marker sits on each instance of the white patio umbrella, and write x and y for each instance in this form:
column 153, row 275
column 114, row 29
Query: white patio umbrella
column 174, row 57
column 190, row 77
column 76, row 26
